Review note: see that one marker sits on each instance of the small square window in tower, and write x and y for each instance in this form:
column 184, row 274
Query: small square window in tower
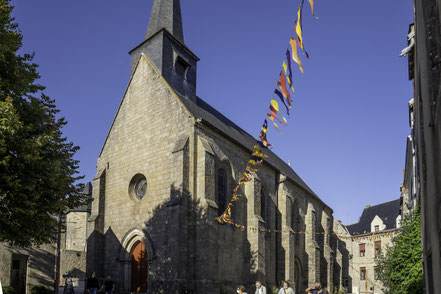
column 181, row 67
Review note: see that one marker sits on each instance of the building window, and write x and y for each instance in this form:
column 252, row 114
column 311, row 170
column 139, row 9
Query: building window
column 377, row 246
column 262, row 204
column 221, row 192
column 313, row 225
column 295, row 221
column 138, row 187
column 377, row 228
column 375, row 273
column 362, row 273
column 362, row 250
column 328, row 230
column 181, row 66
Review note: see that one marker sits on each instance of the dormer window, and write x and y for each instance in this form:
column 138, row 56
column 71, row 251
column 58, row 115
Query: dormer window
column 181, row 67
column 377, row 228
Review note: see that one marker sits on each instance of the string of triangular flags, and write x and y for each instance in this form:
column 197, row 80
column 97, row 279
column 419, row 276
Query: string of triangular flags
column 275, row 113
column 366, row 237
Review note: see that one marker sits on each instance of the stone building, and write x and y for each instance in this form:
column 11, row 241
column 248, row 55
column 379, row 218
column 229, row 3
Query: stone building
column 424, row 57
column 374, row 231
column 45, row 265
column 23, row 268
column 409, row 188
column 167, row 169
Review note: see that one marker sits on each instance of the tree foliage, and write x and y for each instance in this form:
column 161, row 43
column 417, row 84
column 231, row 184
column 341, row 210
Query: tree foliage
column 38, row 172
column 400, row 268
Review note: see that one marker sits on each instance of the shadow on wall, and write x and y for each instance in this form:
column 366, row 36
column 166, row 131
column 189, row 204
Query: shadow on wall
column 346, row 278
column 186, row 251
column 40, row 265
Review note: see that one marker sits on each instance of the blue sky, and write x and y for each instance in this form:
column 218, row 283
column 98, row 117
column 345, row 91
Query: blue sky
column 346, row 137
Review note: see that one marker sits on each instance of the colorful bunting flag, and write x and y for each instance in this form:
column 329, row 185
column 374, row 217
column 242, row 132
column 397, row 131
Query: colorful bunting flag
column 275, row 115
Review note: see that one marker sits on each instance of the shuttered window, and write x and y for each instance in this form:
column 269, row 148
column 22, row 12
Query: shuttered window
column 362, row 250
column 362, row 273
column 377, row 247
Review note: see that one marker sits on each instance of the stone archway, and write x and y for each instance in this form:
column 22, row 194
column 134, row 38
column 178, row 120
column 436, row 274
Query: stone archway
column 135, row 244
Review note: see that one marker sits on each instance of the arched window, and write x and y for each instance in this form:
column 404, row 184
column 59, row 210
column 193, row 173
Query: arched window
column 293, row 216
column 181, row 66
column 221, row 193
column 295, row 220
column 262, row 204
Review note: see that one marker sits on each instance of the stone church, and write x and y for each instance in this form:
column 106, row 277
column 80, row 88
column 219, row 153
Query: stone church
column 167, row 169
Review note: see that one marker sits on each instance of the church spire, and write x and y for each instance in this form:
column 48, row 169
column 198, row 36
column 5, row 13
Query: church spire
column 166, row 14
column 164, row 46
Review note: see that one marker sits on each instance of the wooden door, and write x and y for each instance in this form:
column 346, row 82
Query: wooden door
column 19, row 273
column 139, row 268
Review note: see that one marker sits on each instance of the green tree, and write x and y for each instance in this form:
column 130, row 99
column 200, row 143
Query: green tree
column 38, row 172
column 400, row 268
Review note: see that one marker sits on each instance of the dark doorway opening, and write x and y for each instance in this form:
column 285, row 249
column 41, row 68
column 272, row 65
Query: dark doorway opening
column 139, row 268
column 19, row 267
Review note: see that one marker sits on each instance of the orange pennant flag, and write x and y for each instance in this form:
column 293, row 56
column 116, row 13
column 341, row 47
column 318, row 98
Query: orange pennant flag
column 311, row 2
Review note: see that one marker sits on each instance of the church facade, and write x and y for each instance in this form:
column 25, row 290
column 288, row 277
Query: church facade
column 168, row 168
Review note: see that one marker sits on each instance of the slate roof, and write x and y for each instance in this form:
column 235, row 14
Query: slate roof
column 217, row 120
column 387, row 211
column 84, row 208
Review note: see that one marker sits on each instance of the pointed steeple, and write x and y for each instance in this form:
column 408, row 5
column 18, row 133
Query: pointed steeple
column 165, row 48
column 166, row 14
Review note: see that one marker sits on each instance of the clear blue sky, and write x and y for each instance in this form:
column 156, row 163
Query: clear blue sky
column 346, row 137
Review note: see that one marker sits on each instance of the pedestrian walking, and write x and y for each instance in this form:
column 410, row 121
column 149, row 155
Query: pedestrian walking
column 285, row 288
column 260, row 289
column 320, row 290
column 92, row 284
column 108, row 286
column 312, row 289
column 241, row 290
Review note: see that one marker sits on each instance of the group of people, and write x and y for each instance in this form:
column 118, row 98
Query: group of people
column 92, row 285
column 284, row 289
column 109, row 286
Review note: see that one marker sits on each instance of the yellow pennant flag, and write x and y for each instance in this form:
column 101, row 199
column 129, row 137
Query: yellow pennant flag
column 299, row 27
column 275, row 105
column 285, row 67
column 295, row 56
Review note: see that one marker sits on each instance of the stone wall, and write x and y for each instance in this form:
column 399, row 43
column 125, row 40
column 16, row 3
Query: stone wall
column 367, row 261
column 37, row 266
column 145, row 138
column 425, row 70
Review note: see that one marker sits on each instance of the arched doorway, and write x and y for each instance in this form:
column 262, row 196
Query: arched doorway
column 298, row 275
column 139, row 273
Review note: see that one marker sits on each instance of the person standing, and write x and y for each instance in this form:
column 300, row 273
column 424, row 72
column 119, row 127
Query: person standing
column 260, row 289
column 108, row 286
column 241, row 290
column 92, row 284
column 285, row 289
column 320, row 290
